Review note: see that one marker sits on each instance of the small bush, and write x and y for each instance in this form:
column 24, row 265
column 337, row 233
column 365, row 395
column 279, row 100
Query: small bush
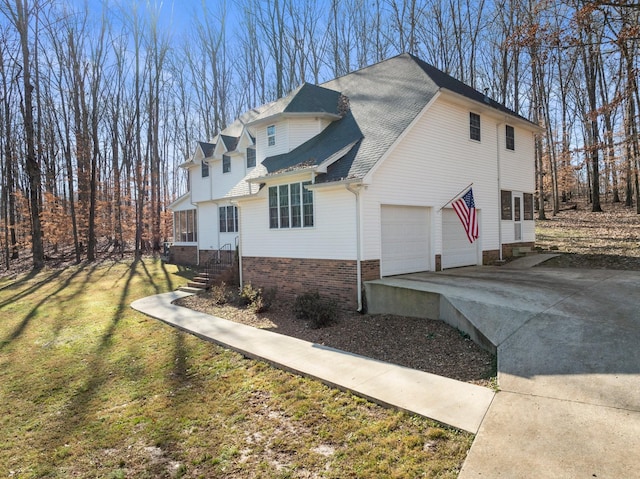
column 258, row 299
column 264, row 300
column 320, row 311
column 220, row 294
column 248, row 295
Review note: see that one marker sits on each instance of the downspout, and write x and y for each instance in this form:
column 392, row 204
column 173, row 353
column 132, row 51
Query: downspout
column 499, row 192
column 235, row 203
column 356, row 192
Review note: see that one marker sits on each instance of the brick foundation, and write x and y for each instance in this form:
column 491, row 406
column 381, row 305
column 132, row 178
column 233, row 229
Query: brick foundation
column 183, row 255
column 490, row 256
column 293, row 276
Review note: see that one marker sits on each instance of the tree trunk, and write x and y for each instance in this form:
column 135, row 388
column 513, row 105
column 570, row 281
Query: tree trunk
column 21, row 22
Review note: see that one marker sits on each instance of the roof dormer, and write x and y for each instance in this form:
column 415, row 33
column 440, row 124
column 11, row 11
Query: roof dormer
column 307, row 100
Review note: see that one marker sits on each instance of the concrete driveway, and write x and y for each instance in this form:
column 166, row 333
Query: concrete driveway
column 568, row 346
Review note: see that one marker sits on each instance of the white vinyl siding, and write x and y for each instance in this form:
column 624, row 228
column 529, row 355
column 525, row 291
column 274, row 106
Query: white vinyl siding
column 208, row 227
column 289, row 135
column 433, row 162
column 332, row 236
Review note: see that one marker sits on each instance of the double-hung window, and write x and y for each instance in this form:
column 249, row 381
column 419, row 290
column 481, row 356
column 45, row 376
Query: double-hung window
column 474, row 126
column 251, row 157
column 510, row 137
column 291, row 206
column 204, row 169
column 228, row 219
column 271, row 135
column 226, row 163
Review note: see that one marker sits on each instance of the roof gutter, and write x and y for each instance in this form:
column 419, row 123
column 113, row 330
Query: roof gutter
column 264, row 179
column 285, row 115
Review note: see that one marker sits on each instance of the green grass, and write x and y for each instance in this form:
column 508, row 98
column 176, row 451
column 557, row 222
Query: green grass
column 90, row 388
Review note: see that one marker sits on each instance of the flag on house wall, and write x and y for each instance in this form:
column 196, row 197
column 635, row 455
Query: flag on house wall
column 465, row 208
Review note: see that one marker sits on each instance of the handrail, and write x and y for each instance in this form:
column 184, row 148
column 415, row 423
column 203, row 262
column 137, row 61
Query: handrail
column 221, row 259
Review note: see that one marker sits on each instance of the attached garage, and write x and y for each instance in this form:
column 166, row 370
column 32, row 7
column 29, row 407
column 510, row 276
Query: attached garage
column 456, row 249
column 405, row 240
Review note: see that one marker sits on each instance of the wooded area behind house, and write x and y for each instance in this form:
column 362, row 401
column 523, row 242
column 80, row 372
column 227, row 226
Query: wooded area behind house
column 99, row 108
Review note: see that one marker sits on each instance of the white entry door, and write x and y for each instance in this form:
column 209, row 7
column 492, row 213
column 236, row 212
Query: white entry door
column 405, row 240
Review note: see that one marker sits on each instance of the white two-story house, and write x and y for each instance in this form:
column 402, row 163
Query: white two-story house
column 354, row 179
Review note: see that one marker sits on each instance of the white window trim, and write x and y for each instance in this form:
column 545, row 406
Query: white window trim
column 479, row 127
column 301, row 205
column 506, row 138
column 271, row 135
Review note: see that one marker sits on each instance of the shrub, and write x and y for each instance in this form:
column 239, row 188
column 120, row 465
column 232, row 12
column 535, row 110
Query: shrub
column 220, row 294
column 264, row 300
column 313, row 307
column 248, row 294
column 256, row 298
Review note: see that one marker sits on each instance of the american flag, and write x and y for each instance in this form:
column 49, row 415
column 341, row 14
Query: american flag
column 465, row 208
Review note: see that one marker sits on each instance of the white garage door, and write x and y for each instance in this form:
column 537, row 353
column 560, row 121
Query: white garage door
column 456, row 249
column 405, row 240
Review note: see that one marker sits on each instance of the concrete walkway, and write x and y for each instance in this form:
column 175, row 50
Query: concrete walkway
column 568, row 346
column 456, row 403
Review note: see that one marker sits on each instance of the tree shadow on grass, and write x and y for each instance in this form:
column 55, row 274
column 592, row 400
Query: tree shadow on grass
column 88, row 268
column 75, row 415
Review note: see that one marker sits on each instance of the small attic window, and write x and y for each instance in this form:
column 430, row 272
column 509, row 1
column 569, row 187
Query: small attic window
column 474, row 126
column 271, row 135
column 204, row 169
column 510, row 137
column 226, row 163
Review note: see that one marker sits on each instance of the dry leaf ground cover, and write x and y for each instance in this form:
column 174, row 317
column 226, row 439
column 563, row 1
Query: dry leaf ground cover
column 610, row 239
column 90, row 388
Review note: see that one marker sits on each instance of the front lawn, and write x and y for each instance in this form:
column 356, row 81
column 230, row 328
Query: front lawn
column 91, row 388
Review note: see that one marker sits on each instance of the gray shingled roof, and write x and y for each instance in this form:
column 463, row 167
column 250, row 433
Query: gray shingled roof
column 231, row 142
column 307, row 98
column 384, row 99
column 207, row 148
